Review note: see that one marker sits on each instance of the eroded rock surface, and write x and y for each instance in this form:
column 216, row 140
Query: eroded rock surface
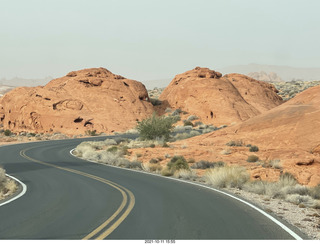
column 217, row 99
column 89, row 99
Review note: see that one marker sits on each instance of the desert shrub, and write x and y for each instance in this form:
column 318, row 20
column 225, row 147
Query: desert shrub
column 2, row 174
column 191, row 161
column 258, row 187
column 113, row 149
column 152, row 167
column 166, row 172
column 123, row 150
column 153, row 161
column 209, row 129
column 185, row 174
column 143, row 144
column 275, row 163
column 182, row 136
column 254, row 149
column 198, row 123
column 132, row 131
column 252, row 159
column 192, row 117
column 228, row 176
column 235, row 144
column 179, row 129
column 82, row 148
column 7, row 132
column 177, row 163
column 7, row 185
column 176, row 112
column 91, row 132
column 287, row 179
column 109, row 142
column 135, row 165
column 315, row 192
column 155, row 102
column 296, row 189
column 156, row 127
column 206, row 164
column 165, row 145
column 298, row 199
column 188, row 123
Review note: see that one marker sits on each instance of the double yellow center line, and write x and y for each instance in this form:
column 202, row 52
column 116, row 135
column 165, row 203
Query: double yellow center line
column 107, row 227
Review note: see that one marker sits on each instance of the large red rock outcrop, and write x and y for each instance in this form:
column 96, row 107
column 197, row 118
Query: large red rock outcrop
column 89, row 99
column 288, row 138
column 217, row 99
column 289, row 132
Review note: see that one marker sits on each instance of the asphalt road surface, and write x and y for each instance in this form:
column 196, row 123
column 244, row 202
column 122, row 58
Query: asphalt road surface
column 69, row 198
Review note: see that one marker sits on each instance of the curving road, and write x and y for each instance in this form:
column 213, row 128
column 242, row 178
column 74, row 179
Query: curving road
column 68, row 198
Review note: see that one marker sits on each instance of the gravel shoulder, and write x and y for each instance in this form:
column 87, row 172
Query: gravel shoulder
column 305, row 219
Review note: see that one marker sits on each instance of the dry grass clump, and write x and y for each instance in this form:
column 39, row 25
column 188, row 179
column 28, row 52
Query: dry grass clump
column 228, row 176
column 288, row 189
column 238, row 143
column 146, row 143
column 206, row 164
column 185, row 174
column 106, row 152
column 7, row 185
column 150, row 167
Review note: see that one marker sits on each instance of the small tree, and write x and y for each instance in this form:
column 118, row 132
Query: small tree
column 156, row 127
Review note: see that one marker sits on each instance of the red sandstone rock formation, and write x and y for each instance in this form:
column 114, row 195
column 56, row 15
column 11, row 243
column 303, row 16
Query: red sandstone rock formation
column 89, row 99
column 289, row 132
column 218, row 99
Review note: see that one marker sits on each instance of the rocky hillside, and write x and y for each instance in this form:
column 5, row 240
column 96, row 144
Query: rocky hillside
column 217, row 99
column 285, row 139
column 86, row 100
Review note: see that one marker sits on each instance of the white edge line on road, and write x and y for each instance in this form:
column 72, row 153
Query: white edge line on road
column 24, row 190
column 284, row 227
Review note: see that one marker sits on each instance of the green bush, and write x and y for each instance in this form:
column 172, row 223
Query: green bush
column 156, row 127
column 7, row 132
column 155, row 102
column 254, row 149
column 112, row 149
column 187, row 122
column 177, row 163
column 252, row 159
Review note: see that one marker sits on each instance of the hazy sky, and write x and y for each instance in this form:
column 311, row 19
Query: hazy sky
column 149, row 40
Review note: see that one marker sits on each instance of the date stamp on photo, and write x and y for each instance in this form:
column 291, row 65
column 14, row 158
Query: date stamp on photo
column 159, row 241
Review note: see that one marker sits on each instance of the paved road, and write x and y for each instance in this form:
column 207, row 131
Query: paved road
column 68, row 198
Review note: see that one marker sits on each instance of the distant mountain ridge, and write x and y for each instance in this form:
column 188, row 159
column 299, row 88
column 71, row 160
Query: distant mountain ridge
column 287, row 73
column 267, row 77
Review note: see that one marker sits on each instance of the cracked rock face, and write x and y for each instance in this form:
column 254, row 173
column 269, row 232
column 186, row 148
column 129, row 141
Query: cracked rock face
column 219, row 100
column 89, row 99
